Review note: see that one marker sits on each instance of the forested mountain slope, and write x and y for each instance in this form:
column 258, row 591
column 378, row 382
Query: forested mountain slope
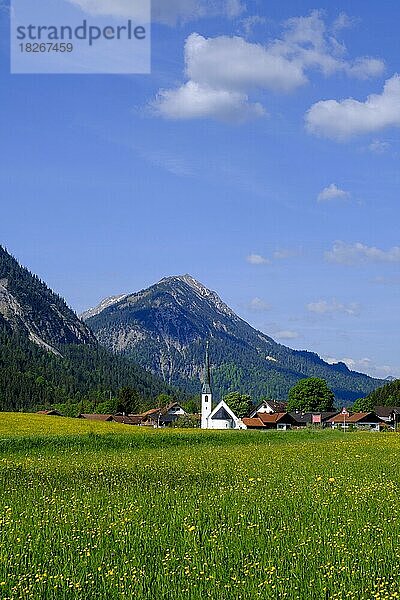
column 164, row 328
column 49, row 356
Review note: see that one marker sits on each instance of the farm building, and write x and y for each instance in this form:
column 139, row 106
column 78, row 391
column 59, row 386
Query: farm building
column 389, row 414
column 49, row 413
column 162, row 417
column 303, row 419
column 171, row 413
column 269, row 406
column 96, row 417
column 367, row 421
column 124, row 419
column 263, row 420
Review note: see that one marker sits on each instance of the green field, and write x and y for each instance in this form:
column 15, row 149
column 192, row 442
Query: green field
column 104, row 511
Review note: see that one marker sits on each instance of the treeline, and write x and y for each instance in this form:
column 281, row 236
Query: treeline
column 239, row 367
column 31, row 378
column 387, row 395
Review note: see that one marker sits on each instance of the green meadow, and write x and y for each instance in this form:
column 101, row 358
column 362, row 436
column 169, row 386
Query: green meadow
column 104, row 511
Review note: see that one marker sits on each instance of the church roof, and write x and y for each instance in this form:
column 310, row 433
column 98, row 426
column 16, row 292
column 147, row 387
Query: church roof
column 222, row 414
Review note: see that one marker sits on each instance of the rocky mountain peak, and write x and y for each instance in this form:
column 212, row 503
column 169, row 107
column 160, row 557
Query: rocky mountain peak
column 30, row 308
column 200, row 290
column 165, row 327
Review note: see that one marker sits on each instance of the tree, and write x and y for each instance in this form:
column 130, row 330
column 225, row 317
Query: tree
column 363, row 405
column 192, row 406
column 240, row 404
column 312, row 394
column 186, row 422
column 163, row 400
column 387, row 395
column 107, row 407
column 128, row 400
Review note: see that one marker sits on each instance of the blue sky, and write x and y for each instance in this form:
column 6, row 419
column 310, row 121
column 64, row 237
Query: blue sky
column 261, row 156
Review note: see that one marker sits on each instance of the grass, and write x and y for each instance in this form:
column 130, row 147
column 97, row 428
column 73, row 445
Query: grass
column 105, row 511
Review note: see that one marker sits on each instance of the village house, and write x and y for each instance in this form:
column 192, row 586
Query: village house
column 269, row 406
column 305, row 419
column 135, row 419
column 150, row 417
column 123, row 419
column 389, row 414
column 96, row 417
column 160, row 417
column 263, row 420
column 49, row 413
column 365, row 421
column 172, row 413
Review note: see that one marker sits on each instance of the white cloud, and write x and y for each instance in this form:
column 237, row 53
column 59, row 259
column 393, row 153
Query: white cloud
column 364, row 365
column 379, row 147
column 235, row 64
column 167, row 12
column 350, row 254
column 281, row 254
column 234, row 8
column 330, row 307
column 381, row 280
column 365, row 68
column 249, row 24
column 258, row 305
column 125, row 9
column 308, row 41
column 195, row 101
column 286, row 335
column 343, row 21
column 332, row 192
column 257, row 259
column 347, row 118
column 284, row 253
column 223, row 66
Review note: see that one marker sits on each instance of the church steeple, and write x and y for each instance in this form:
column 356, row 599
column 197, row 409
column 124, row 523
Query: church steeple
column 207, row 377
column 206, row 394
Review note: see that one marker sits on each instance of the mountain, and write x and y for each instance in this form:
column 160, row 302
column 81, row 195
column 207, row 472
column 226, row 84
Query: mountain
column 164, row 328
column 49, row 356
column 29, row 307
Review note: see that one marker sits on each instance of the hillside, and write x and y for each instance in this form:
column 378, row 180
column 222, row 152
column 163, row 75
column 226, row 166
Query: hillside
column 49, row 356
column 387, row 395
column 29, row 307
column 164, row 329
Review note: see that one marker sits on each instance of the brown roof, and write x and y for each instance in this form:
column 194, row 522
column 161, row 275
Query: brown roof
column 272, row 418
column 136, row 419
column 151, row 412
column 355, row 418
column 123, row 419
column 49, row 412
column 386, row 411
column 94, row 417
column 171, row 405
column 253, row 422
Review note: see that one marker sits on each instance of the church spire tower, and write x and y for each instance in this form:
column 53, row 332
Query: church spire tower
column 206, row 394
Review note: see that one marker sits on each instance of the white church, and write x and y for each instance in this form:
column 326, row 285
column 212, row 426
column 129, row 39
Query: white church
column 220, row 417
